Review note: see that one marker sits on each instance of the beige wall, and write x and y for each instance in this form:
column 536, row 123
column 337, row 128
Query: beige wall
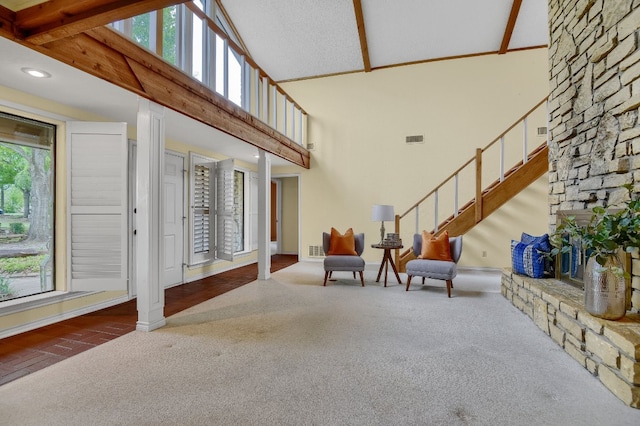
column 358, row 123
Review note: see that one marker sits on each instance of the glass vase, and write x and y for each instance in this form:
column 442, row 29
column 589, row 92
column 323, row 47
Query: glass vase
column 604, row 291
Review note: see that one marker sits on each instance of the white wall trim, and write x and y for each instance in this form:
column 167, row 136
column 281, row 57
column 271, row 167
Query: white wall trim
column 218, row 271
column 36, row 111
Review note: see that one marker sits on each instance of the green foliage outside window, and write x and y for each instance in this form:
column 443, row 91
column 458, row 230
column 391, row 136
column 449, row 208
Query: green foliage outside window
column 169, row 34
column 6, row 290
column 17, row 228
column 20, row 265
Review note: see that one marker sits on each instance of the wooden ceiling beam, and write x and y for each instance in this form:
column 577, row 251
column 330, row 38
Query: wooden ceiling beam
column 357, row 6
column 104, row 53
column 511, row 23
column 58, row 19
column 7, row 18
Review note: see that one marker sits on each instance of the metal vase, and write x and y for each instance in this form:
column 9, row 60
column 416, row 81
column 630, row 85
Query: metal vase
column 604, row 291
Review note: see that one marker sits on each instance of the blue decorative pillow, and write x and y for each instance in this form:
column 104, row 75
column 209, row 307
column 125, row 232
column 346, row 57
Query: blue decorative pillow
column 543, row 240
column 526, row 259
column 545, row 246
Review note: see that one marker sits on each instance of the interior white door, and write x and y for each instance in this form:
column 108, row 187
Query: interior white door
column 173, row 219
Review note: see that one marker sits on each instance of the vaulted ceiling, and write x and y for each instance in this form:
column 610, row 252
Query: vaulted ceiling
column 289, row 39
column 294, row 39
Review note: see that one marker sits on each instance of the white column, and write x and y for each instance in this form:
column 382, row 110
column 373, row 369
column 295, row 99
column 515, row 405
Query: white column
column 149, row 241
column 264, row 216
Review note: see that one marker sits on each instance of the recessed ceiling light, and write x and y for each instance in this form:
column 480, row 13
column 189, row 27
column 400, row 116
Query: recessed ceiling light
column 36, row 73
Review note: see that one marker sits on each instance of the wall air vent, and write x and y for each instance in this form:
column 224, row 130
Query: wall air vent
column 316, row 251
column 542, row 131
column 415, row 139
column 310, row 146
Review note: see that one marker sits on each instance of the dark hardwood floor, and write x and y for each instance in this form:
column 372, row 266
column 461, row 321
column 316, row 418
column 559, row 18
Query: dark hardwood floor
column 31, row 351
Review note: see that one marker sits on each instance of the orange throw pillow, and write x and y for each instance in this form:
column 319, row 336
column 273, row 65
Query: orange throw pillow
column 342, row 244
column 435, row 248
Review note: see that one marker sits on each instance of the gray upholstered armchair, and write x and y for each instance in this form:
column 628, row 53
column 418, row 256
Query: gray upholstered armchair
column 348, row 263
column 436, row 269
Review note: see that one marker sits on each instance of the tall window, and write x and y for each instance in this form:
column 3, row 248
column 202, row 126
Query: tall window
column 26, row 207
column 181, row 35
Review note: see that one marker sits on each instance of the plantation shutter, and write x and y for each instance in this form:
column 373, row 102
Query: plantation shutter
column 224, row 210
column 97, row 203
column 202, row 212
column 253, row 210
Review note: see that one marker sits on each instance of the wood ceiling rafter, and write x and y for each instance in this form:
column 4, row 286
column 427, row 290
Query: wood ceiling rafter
column 511, row 23
column 357, row 6
column 7, row 18
column 58, row 19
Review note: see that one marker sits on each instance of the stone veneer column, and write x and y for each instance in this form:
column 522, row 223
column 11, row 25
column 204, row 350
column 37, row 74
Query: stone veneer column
column 594, row 63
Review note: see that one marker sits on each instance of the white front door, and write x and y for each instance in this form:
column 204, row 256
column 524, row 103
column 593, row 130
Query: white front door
column 173, row 219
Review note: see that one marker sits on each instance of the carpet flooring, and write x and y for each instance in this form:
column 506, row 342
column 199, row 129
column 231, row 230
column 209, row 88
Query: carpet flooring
column 288, row 351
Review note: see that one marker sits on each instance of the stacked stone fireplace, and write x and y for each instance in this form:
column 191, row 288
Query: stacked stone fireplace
column 594, row 148
column 594, row 142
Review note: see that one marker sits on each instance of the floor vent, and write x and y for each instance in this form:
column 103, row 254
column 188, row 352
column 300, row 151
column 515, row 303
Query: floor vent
column 316, row 251
column 415, row 139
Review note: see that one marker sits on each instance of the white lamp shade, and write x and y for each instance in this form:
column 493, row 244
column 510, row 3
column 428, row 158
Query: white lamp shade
column 381, row 213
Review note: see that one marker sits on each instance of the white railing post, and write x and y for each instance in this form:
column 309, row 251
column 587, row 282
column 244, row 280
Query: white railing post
column 303, row 129
column 299, row 140
column 275, row 108
column 417, row 219
column 293, row 121
column 264, row 111
column 455, row 196
column 501, row 158
column 525, row 150
column 256, row 91
column 284, row 116
column 435, row 211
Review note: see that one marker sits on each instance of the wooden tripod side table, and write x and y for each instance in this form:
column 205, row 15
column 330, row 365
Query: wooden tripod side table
column 386, row 260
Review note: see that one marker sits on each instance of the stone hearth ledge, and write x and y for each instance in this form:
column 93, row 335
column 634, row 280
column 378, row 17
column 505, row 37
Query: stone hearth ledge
column 610, row 350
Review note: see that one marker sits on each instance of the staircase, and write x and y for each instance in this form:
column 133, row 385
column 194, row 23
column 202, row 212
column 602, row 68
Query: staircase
column 534, row 163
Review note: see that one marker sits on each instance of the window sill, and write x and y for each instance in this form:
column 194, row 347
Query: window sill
column 30, row 302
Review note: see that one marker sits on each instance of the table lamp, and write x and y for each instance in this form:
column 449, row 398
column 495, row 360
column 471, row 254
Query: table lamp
column 381, row 212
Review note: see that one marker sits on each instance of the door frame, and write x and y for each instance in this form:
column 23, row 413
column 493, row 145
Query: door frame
column 132, row 152
column 278, row 177
column 278, row 209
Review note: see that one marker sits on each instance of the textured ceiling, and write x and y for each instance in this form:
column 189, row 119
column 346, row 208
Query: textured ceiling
column 310, row 38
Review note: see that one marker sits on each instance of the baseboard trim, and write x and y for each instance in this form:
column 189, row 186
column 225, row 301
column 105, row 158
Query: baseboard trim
column 218, row 271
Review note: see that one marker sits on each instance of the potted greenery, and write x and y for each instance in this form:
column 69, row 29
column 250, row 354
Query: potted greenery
column 607, row 233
